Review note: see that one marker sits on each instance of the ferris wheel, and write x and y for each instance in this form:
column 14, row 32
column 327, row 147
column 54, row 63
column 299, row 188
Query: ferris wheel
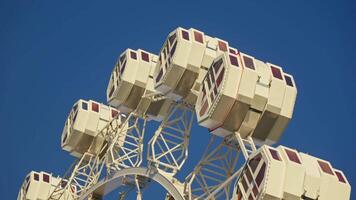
column 245, row 104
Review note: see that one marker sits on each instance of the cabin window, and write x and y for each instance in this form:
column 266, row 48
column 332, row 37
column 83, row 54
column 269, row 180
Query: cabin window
column 248, row 175
column 185, row 35
column 164, row 53
column 211, row 97
column 289, row 80
column 222, row 46
column 122, row 58
column 253, row 163
column 123, row 67
column 84, row 106
column 36, row 177
column 203, row 108
column 27, row 178
column 208, row 81
column 215, row 91
column 244, row 184
column 45, row 178
column 145, row 56
column 28, row 185
column 95, row 107
column 198, row 37
column 217, row 65
column 172, row 38
column 232, row 51
column 276, row 72
column 159, row 75
column 340, row 177
column 114, row 113
column 233, row 60
column 111, row 91
column 133, row 55
column 211, row 73
column 292, row 156
column 325, row 167
column 220, row 77
column 75, row 116
column 204, row 92
column 255, row 190
column 274, row 154
column 173, row 50
column 260, row 175
column 249, row 62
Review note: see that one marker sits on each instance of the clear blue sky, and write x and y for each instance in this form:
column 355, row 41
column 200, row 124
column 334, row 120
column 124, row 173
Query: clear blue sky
column 55, row 52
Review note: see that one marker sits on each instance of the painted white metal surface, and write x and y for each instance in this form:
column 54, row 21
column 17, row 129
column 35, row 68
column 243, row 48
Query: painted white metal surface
column 39, row 186
column 283, row 173
column 85, row 120
column 241, row 100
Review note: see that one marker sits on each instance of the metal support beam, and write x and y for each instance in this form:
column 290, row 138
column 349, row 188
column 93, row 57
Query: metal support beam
column 168, row 148
column 213, row 176
column 122, row 149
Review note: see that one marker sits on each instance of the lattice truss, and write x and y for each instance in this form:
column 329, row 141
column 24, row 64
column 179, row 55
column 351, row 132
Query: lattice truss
column 126, row 147
column 168, row 148
column 122, row 149
column 212, row 178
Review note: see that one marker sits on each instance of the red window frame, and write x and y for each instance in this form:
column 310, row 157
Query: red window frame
column 185, row 35
column 289, row 80
column 172, row 38
column 95, row 107
column 292, row 156
column 198, row 37
column 133, row 55
column 249, row 62
column 276, row 72
column 274, row 153
column 145, row 56
column 340, row 177
column 36, row 177
column 233, row 60
column 114, row 113
column 222, row 46
column 45, row 178
column 260, row 175
column 325, row 167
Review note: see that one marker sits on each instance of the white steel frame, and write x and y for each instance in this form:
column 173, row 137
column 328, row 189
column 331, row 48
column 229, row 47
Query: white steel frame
column 168, row 148
column 86, row 171
column 213, row 176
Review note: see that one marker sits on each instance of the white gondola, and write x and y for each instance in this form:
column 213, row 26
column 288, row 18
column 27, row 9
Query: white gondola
column 283, row 173
column 226, row 94
column 131, row 86
column 85, row 121
column 40, row 185
column 245, row 95
column 183, row 62
column 128, row 80
column 279, row 107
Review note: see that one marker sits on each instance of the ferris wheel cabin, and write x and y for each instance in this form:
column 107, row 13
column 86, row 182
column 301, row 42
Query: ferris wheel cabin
column 131, row 85
column 85, row 120
column 283, row 173
column 40, row 185
column 242, row 94
column 183, row 62
column 128, row 80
